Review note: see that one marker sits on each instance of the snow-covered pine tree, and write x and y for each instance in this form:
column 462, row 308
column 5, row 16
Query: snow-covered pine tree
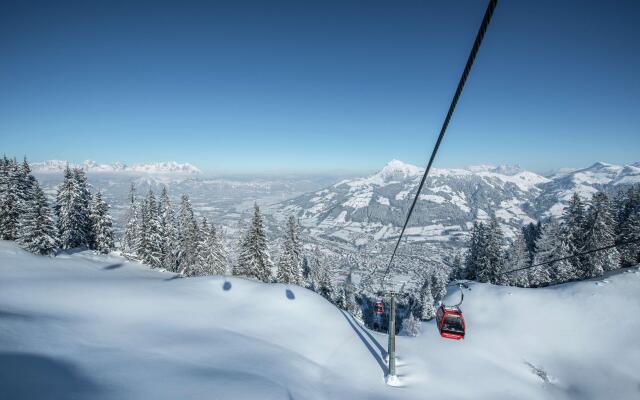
column 83, row 203
column 37, row 232
column 200, row 266
column 216, row 252
column 572, row 225
column 473, row 255
column 131, row 237
column 426, row 305
column 72, row 208
column 291, row 256
column 10, row 207
column 411, row 325
column 552, row 245
column 168, row 232
column 4, row 191
column 188, row 237
column 25, row 187
column 102, row 225
column 490, row 262
column 629, row 226
column 254, row 260
column 439, row 282
column 151, row 241
column 324, row 277
column 351, row 303
column 306, row 271
column 531, row 233
column 340, row 298
column 599, row 232
column 517, row 257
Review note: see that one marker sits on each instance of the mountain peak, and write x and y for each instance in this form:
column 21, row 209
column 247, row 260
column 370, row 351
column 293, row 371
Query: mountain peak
column 600, row 165
column 398, row 170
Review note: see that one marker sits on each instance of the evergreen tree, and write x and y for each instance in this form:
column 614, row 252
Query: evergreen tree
column 629, row 225
column 426, row 304
column 324, row 277
column 531, row 233
column 411, row 325
column 552, row 245
column 254, row 260
column 131, row 239
column 573, row 224
column 291, row 257
column 72, row 208
column 200, row 266
column 490, row 262
column 4, row 193
column 517, row 258
column 188, row 237
column 37, row 232
column 600, row 226
column 351, row 303
column 102, row 225
column 215, row 257
column 473, row 255
column 11, row 200
column 168, row 232
column 150, row 251
column 306, row 272
column 438, row 284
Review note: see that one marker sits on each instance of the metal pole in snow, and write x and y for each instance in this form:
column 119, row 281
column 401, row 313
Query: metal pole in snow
column 392, row 337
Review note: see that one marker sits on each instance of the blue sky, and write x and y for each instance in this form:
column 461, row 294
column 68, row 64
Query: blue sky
column 319, row 86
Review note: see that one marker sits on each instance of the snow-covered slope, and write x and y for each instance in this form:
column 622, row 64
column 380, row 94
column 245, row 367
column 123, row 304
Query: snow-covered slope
column 169, row 167
column 82, row 326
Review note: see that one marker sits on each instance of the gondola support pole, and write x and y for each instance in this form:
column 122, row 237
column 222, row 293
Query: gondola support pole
column 391, row 351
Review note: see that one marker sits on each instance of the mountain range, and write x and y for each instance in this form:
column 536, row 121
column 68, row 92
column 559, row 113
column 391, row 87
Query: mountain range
column 373, row 208
column 169, row 167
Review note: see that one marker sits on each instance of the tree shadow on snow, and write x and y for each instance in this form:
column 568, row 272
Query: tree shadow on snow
column 35, row 377
column 374, row 353
column 290, row 294
column 178, row 276
column 113, row 266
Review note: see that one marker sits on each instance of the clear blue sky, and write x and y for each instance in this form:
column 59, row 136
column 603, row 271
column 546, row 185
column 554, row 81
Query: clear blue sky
column 319, row 85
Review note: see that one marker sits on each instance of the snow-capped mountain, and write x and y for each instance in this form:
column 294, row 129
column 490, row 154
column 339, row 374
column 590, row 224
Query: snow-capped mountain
column 374, row 207
column 169, row 167
column 587, row 181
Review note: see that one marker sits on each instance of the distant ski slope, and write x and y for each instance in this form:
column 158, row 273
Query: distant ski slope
column 83, row 326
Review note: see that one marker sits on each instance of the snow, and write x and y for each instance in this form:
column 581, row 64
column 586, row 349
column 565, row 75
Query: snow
column 383, row 200
column 85, row 326
column 359, row 200
column 401, row 195
column 433, row 198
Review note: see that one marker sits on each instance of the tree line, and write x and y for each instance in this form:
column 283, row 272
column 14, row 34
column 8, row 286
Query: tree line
column 582, row 227
column 81, row 218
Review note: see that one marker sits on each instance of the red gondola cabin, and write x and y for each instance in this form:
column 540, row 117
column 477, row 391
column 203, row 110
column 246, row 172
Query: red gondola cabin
column 450, row 322
column 378, row 308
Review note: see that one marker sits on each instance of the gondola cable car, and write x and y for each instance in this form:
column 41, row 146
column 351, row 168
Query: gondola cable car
column 450, row 320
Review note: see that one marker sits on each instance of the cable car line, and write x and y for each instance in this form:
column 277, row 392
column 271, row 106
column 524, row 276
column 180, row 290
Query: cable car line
column 463, row 79
column 611, row 246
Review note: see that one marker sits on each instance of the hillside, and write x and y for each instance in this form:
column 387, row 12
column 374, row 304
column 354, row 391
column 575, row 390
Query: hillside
column 83, row 326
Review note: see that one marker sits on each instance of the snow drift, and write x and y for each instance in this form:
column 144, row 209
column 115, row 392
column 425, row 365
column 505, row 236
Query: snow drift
column 82, row 326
